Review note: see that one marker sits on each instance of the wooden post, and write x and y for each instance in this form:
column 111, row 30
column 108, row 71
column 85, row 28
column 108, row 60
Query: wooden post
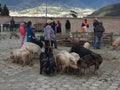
column 92, row 34
column 111, row 34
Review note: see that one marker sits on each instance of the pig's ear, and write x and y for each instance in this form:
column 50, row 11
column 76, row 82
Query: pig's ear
column 79, row 61
column 71, row 61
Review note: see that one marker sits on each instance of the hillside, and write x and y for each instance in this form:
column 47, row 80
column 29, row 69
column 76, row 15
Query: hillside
column 26, row 4
column 109, row 10
column 52, row 11
column 55, row 8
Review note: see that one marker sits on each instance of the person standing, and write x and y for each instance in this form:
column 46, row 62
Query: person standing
column 85, row 26
column 58, row 26
column 12, row 23
column 49, row 36
column 68, row 26
column 29, row 31
column 22, row 32
column 99, row 29
column 53, row 25
column 95, row 24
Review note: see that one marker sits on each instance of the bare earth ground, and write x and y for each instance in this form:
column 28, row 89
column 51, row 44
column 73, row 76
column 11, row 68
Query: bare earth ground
column 15, row 77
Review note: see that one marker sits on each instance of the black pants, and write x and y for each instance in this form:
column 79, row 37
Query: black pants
column 11, row 28
column 58, row 29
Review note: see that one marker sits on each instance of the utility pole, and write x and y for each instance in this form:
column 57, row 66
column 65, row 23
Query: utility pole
column 46, row 11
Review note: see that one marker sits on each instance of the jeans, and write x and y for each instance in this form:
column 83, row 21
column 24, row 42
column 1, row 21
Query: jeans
column 55, row 44
column 98, row 40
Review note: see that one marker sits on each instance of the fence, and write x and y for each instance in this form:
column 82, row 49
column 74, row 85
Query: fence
column 68, row 39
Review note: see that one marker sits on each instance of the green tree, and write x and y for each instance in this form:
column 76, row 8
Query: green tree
column 0, row 9
column 5, row 11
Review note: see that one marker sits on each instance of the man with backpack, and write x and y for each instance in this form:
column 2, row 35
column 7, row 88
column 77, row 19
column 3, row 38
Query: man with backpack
column 98, row 31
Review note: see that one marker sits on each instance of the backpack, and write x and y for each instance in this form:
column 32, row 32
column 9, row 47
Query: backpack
column 101, row 29
column 48, row 64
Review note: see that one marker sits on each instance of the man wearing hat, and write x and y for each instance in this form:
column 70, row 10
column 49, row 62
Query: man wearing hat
column 49, row 35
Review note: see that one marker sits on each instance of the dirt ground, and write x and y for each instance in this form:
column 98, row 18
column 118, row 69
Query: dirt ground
column 15, row 77
column 7, row 45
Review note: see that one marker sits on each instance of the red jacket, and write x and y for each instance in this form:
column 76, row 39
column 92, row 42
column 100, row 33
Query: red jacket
column 22, row 30
column 85, row 24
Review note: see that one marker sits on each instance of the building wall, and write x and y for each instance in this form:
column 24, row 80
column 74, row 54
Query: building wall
column 111, row 24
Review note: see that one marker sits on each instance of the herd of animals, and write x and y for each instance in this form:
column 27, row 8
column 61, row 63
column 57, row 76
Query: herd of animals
column 78, row 58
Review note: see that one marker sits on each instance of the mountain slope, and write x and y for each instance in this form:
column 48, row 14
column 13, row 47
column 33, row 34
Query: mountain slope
column 109, row 10
column 52, row 11
column 25, row 4
column 60, row 8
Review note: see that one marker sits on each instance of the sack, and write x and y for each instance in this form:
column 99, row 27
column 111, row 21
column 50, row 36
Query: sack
column 82, row 29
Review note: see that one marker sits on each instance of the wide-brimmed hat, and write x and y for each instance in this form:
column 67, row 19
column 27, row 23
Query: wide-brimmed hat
column 49, row 21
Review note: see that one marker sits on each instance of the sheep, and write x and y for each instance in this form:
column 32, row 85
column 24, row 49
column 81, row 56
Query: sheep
column 65, row 59
column 21, row 54
column 31, row 47
column 116, row 43
column 86, row 45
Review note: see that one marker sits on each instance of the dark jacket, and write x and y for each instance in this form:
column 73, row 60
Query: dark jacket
column 12, row 22
column 53, row 25
column 67, row 25
column 99, row 30
column 95, row 23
